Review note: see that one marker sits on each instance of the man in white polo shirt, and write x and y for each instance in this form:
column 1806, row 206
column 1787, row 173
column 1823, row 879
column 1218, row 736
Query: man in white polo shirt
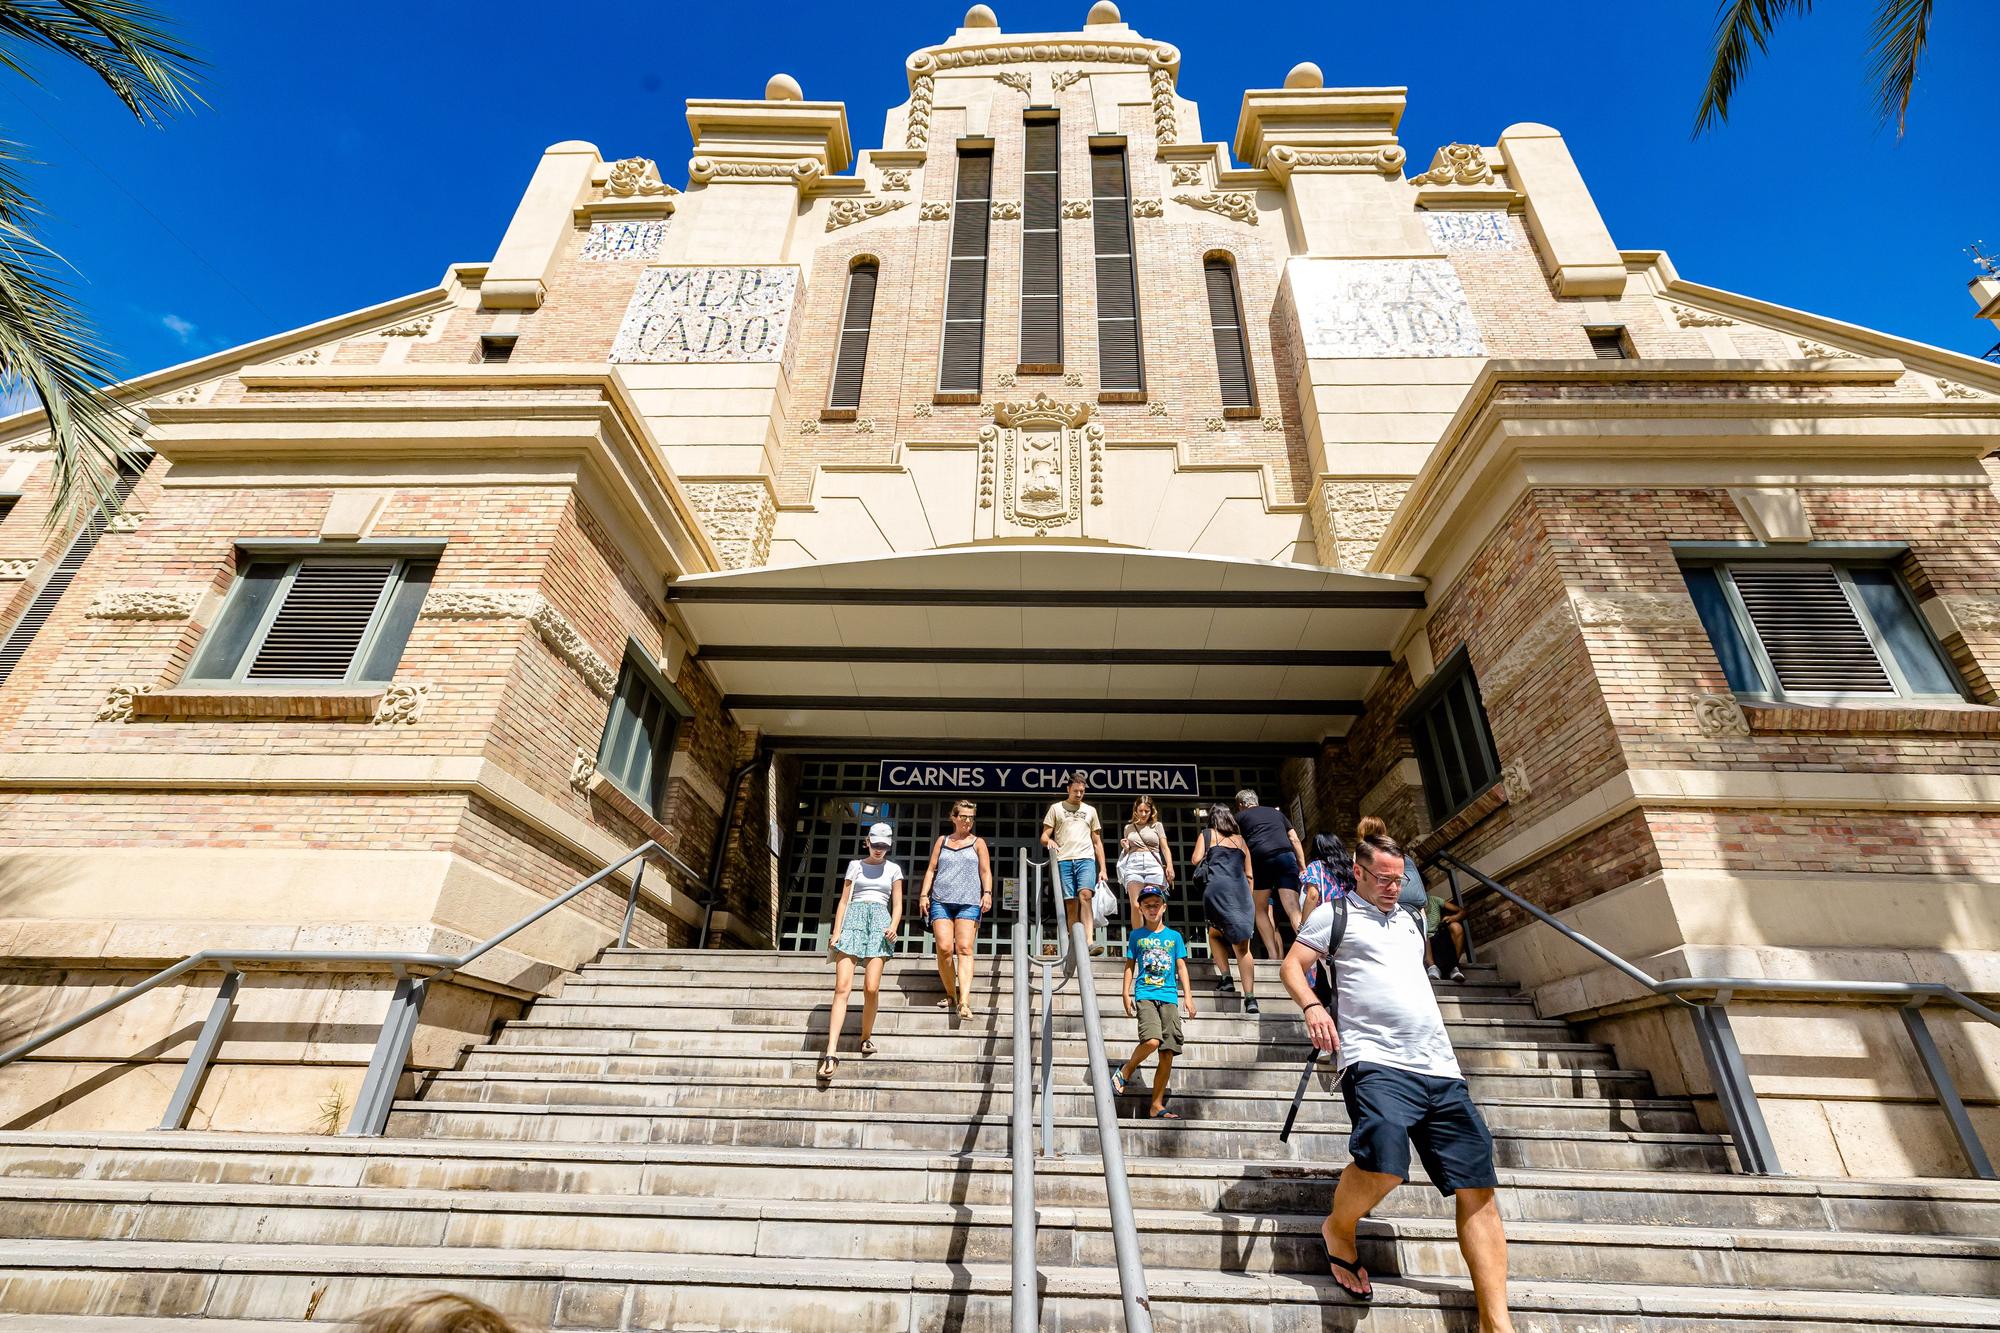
column 1398, row 1076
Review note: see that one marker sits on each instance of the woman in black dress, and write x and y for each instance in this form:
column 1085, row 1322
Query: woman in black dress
column 1225, row 898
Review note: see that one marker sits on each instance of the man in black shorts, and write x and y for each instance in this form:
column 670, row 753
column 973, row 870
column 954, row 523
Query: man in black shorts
column 1398, row 1076
column 1275, row 861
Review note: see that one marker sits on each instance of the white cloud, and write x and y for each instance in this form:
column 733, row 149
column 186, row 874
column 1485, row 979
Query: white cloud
column 183, row 329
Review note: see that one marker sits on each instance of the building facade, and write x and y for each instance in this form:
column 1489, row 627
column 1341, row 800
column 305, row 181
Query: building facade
column 1048, row 432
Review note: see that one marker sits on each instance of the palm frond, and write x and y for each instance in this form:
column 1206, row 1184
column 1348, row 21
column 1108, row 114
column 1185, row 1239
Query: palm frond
column 126, row 44
column 1740, row 25
column 1902, row 27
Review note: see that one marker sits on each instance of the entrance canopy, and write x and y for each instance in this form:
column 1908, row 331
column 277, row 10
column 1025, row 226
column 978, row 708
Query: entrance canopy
column 1047, row 642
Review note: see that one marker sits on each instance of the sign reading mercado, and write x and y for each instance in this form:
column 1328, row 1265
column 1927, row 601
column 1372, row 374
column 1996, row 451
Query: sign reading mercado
column 954, row 777
column 707, row 315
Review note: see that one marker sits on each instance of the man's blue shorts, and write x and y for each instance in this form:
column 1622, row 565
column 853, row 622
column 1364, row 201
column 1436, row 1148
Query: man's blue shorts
column 1076, row 875
column 1392, row 1108
column 953, row 911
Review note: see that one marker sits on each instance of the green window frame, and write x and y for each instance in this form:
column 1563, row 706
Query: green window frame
column 314, row 620
column 1454, row 743
column 641, row 730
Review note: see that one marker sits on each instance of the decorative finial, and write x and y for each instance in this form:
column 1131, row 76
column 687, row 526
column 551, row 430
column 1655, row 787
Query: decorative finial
column 783, row 88
column 1103, row 12
column 980, row 16
column 1305, row 74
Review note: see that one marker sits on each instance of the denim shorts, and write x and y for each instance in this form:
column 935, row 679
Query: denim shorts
column 1391, row 1108
column 1077, row 875
column 953, row 911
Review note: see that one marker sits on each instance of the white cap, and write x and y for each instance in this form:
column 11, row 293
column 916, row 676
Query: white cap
column 881, row 835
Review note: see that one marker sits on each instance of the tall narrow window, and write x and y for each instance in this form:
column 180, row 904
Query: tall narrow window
column 638, row 744
column 1041, row 248
column 1119, row 367
column 850, row 360
column 44, row 604
column 965, row 276
column 1455, row 753
column 1225, row 321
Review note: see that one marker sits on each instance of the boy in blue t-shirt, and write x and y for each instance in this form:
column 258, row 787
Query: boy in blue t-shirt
column 1156, row 977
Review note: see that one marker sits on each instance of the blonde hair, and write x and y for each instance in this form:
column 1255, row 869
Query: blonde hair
column 1147, row 802
column 971, row 807
column 435, row 1312
column 1370, row 827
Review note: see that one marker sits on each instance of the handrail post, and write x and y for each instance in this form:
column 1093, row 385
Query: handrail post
column 1734, row 1092
column 1124, row 1233
column 1947, row 1091
column 181, row 1104
column 631, row 906
column 1022, row 1140
column 385, row 1066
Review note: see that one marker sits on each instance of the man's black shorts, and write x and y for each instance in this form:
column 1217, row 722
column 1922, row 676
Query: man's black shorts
column 1280, row 870
column 1392, row 1108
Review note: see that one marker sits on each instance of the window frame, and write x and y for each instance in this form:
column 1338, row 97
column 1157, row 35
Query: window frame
column 1109, row 145
column 1039, row 118
column 675, row 709
column 832, row 411
column 1227, row 260
column 966, row 148
column 1774, row 691
column 295, row 555
column 1433, row 699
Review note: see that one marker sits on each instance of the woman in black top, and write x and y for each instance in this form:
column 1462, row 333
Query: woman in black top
column 1225, row 898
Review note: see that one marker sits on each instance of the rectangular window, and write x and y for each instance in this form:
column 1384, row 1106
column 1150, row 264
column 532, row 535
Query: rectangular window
column 332, row 620
column 1447, row 723
column 23, row 633
column 1225, row 321
column 964, row 345
column 638, row 744
column 1120, row 367
column 1818, row 631
column 1041, row 248
column 857, row 318
column 496, row 348
column 1610, row 344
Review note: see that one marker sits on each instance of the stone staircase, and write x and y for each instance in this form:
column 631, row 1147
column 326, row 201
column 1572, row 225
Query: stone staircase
column 649, row 1149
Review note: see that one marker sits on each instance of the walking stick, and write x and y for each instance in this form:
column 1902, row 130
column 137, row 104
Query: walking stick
column 1299, row 1097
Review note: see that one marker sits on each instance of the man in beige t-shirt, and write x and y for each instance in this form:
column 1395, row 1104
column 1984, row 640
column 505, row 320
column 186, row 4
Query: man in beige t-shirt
column 1076, row 843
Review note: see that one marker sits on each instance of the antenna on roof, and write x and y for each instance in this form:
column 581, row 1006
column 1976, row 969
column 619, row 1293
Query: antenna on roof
column 1988, row 264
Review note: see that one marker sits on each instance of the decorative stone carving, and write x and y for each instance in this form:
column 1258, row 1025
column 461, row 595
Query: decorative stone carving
column 921, row 410
column 420, row 327
column 866, row 425
column 402, row 704
column 989, row 444
column 1690, row 318
column 1093, row 442
column 847, row 212
column 1514, row 774
column 1074, row 379
column 738, row 518
column 1383, row 307
column 802, row 171
column 895, row 180
column 1719, row 715
column 1156, row 409
column 1386, row 160
column 1634, row 609
column 710, row 315
column 1456, row 164
column 1233, row 204
column 1166, row 130
column 636, row 178
column 1148, row 208
column 309, row 357
column 1040, row 444
column 917, row 134
column 117, row 705
column 1005, row 379
column 582, row 769
column 1953, row 389
column 144, row 604
column 1456, row 229
column 809, row 426
column 1006, row 210
column 1216, row 423
column 1821, row 352
column 519, row 604
column 14, row 570
column 624, row 240
column 1076, row 208
column 34, row 444
column 1015, row 79
column 935, row 210
column 1550, row 630
column 986, row 411
column 125, row 520
column 1160, row 56
column 1274, row 423
column 1063, row 78
column 1981, row 615
column 189, row 396
column 1187, row 173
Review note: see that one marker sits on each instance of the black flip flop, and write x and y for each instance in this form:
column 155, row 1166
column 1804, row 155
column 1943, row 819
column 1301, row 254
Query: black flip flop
column 1354, row 1271
column 1164, row 1114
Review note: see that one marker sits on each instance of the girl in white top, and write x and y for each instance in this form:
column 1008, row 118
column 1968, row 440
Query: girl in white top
column 864, row 927
column 1144, row 856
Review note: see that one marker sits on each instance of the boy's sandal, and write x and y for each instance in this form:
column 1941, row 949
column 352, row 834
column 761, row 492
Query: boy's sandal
column 827, row 1064
column 945, row 1003
column 1354, row 1271
column 1164, row 1114
column 1117, row 1083
column 868, row 1046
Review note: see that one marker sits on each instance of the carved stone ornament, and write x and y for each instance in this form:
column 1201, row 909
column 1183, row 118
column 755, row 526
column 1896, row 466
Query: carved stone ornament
column 1981, row 615
column 1158, row 56
column 11, row 570
column 145, row 604
column 1041, row 445
column 1148, row 208
column 1093, row 443
column 1387, row 160
column 1456, row 164
column 1006, row 210
column 1016, row 79
column 1690, row 318
column 1076, row 208
column 847, row 212
column 402, row 704
column 895, row 180
column 1233, row 204
column 1821, row 352
column 801, row 171
column 1515, row 774
column 1719, row 715
column 921, row 410
column 989, row 443
column 1216, row 423
column 1074, row 379
column 865, row 425
column 1063, row 78
column 923, row 86
column 1520, row 661
column 1166, row 129
column 1274, row 424
column 582, row 769
column 549, row 623
column 419, row 327
column 117, row 705
column 34, row 444
column 1187, row 173
column 636, row 178
column 125, row 520
column 309, row 357
column 1635, row 609
column 809, row 426
column 1953, row 389
column 934, row 211
column 1156, row 409
column 1005, row 379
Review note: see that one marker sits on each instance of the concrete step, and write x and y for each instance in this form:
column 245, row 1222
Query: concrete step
column 758, row 960
column 582, row 1062
column 783, row 1295
column 947, row 1232
column 868, row 1091
column 890, row 1130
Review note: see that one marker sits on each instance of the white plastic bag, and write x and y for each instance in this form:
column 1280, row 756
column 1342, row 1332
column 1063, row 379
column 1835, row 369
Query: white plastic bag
column 1104, row 904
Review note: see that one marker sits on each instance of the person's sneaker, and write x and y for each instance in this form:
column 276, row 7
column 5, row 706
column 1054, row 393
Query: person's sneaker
column 1457, row 975
column 1433, row 973
column 1250, row 1006
column 1097, row 951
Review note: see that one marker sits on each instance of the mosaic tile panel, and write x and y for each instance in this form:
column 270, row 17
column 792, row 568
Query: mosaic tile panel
column 1383, row 308
column 1470, row 229
column 708, row 315
column 624, row 240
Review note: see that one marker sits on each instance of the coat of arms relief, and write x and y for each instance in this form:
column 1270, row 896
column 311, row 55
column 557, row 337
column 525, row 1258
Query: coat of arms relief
column 1038, row 449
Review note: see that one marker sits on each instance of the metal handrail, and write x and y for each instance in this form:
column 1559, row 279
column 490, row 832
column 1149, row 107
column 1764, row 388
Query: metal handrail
column 1021, row 1143
column 1708, row 998
column 399, row 1023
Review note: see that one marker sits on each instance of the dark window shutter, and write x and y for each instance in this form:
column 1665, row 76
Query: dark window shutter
column 1041, row 247
column 44, row 604
column 1809, row 630
column 1225, row 320
column 1120, row 367
column 325, row 615
column 964, row 343
column 1453, row 741
column 1608, row 344
column 850, row 360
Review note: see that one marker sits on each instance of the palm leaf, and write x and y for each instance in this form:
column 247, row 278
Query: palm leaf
column 125, row 44
column 1901, row 29
column 1740, row 25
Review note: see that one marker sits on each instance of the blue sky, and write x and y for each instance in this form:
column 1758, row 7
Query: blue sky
column 350, row 153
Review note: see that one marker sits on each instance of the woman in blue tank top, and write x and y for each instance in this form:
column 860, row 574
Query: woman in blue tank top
column 958, row 890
